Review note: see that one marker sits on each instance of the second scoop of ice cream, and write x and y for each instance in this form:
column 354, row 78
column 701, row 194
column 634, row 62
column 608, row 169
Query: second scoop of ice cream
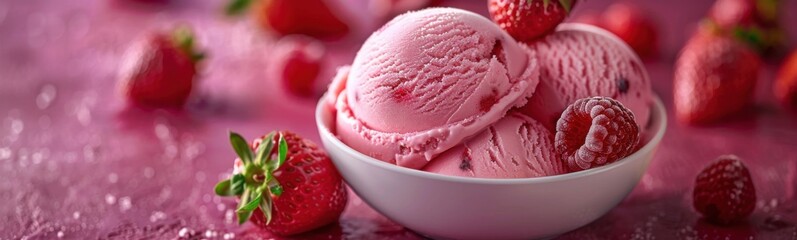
column 579, row 61
column 515, row 147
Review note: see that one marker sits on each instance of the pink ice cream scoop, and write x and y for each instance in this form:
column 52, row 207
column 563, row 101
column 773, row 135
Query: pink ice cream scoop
column 427, row 80
column 579, row 61
column 517, row 146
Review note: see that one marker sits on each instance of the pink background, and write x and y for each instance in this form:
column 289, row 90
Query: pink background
column 75, row 163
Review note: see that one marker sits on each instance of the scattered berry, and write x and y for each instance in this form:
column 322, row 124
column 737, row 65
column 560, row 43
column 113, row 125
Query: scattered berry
column 299, row 60
column 595, row 131
column 631, row 24
column 634, row 26
column 715, row 77
column 527, row 20
column 724, row 192
column 313, row 18
column 752, row 21
column 160, row 72
column 786, row 82
column 286, row 184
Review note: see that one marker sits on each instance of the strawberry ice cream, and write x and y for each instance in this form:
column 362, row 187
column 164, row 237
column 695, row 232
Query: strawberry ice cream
column 515, row 147
column 426, row 81
column 581, row 61
column 432, row 89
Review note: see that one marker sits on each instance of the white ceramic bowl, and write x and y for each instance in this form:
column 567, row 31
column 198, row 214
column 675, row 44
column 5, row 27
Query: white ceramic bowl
column 452, row 207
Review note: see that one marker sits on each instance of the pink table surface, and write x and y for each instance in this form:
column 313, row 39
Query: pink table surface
column 76, row 164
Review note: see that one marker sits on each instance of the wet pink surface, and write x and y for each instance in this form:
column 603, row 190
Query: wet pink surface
column 76, row 164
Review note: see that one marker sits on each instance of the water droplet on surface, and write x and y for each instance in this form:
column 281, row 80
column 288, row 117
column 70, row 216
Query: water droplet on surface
column 46, row 96
column 157, row 216
column 211, row 234
column 60, row 234
column 229, row 236
column 17, row 126
column 149, row 172
column 166, row 193
column 200, row 176
column 76, row 215
column 5, row 153
column 37, row 157
column 89, row 153
column 185, row 232
column 193, row 149
column 83, row 115
column 125, row 204
column 162, row 131
column 229, row 216
column 110, row 199
column 221, row 207
column 113, row 178
column 170, row 151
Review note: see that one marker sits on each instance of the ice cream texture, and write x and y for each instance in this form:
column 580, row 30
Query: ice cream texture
column 517, row 146
column 428, row 80
column 579, row 61
column 446, row 91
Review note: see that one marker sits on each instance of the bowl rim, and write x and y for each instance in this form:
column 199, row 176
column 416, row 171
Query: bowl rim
column 658, row 114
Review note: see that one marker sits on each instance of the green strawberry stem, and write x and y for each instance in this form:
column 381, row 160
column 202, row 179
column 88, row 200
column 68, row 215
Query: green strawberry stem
column 753, row 36
column 256, row 184
column 237, row 7
column 183, row 37
column 768, row 9
column 566, row 4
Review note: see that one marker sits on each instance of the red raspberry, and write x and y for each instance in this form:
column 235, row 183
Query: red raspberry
column 595, row 131
column 724, row 192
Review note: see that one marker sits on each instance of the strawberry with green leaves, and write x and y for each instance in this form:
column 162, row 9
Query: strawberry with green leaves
column 160, row 72
column 314, row 18
column 286, row 184
column 526, row 20
column 755, row 22
column 715, row 78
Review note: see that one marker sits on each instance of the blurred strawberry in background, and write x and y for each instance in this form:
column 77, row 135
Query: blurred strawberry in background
column 752, row 21
column 634, row 26
column 629, row 22
column 786, row 82
column 159, row 71
column 314, row 18
column 297, row 64
column 528, row 20
column 715, row 77
column 387, row 9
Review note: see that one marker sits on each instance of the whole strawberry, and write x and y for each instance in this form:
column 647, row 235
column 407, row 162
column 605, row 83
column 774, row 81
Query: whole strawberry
column 724, row 192
column 160, row 72
column 298, row 61
column 715, row 77
column 526, row 20
column 786, row 82
column 287, row 185
column 633, row 26
column 752, row 21
column 594, row 132
column 313, row 18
